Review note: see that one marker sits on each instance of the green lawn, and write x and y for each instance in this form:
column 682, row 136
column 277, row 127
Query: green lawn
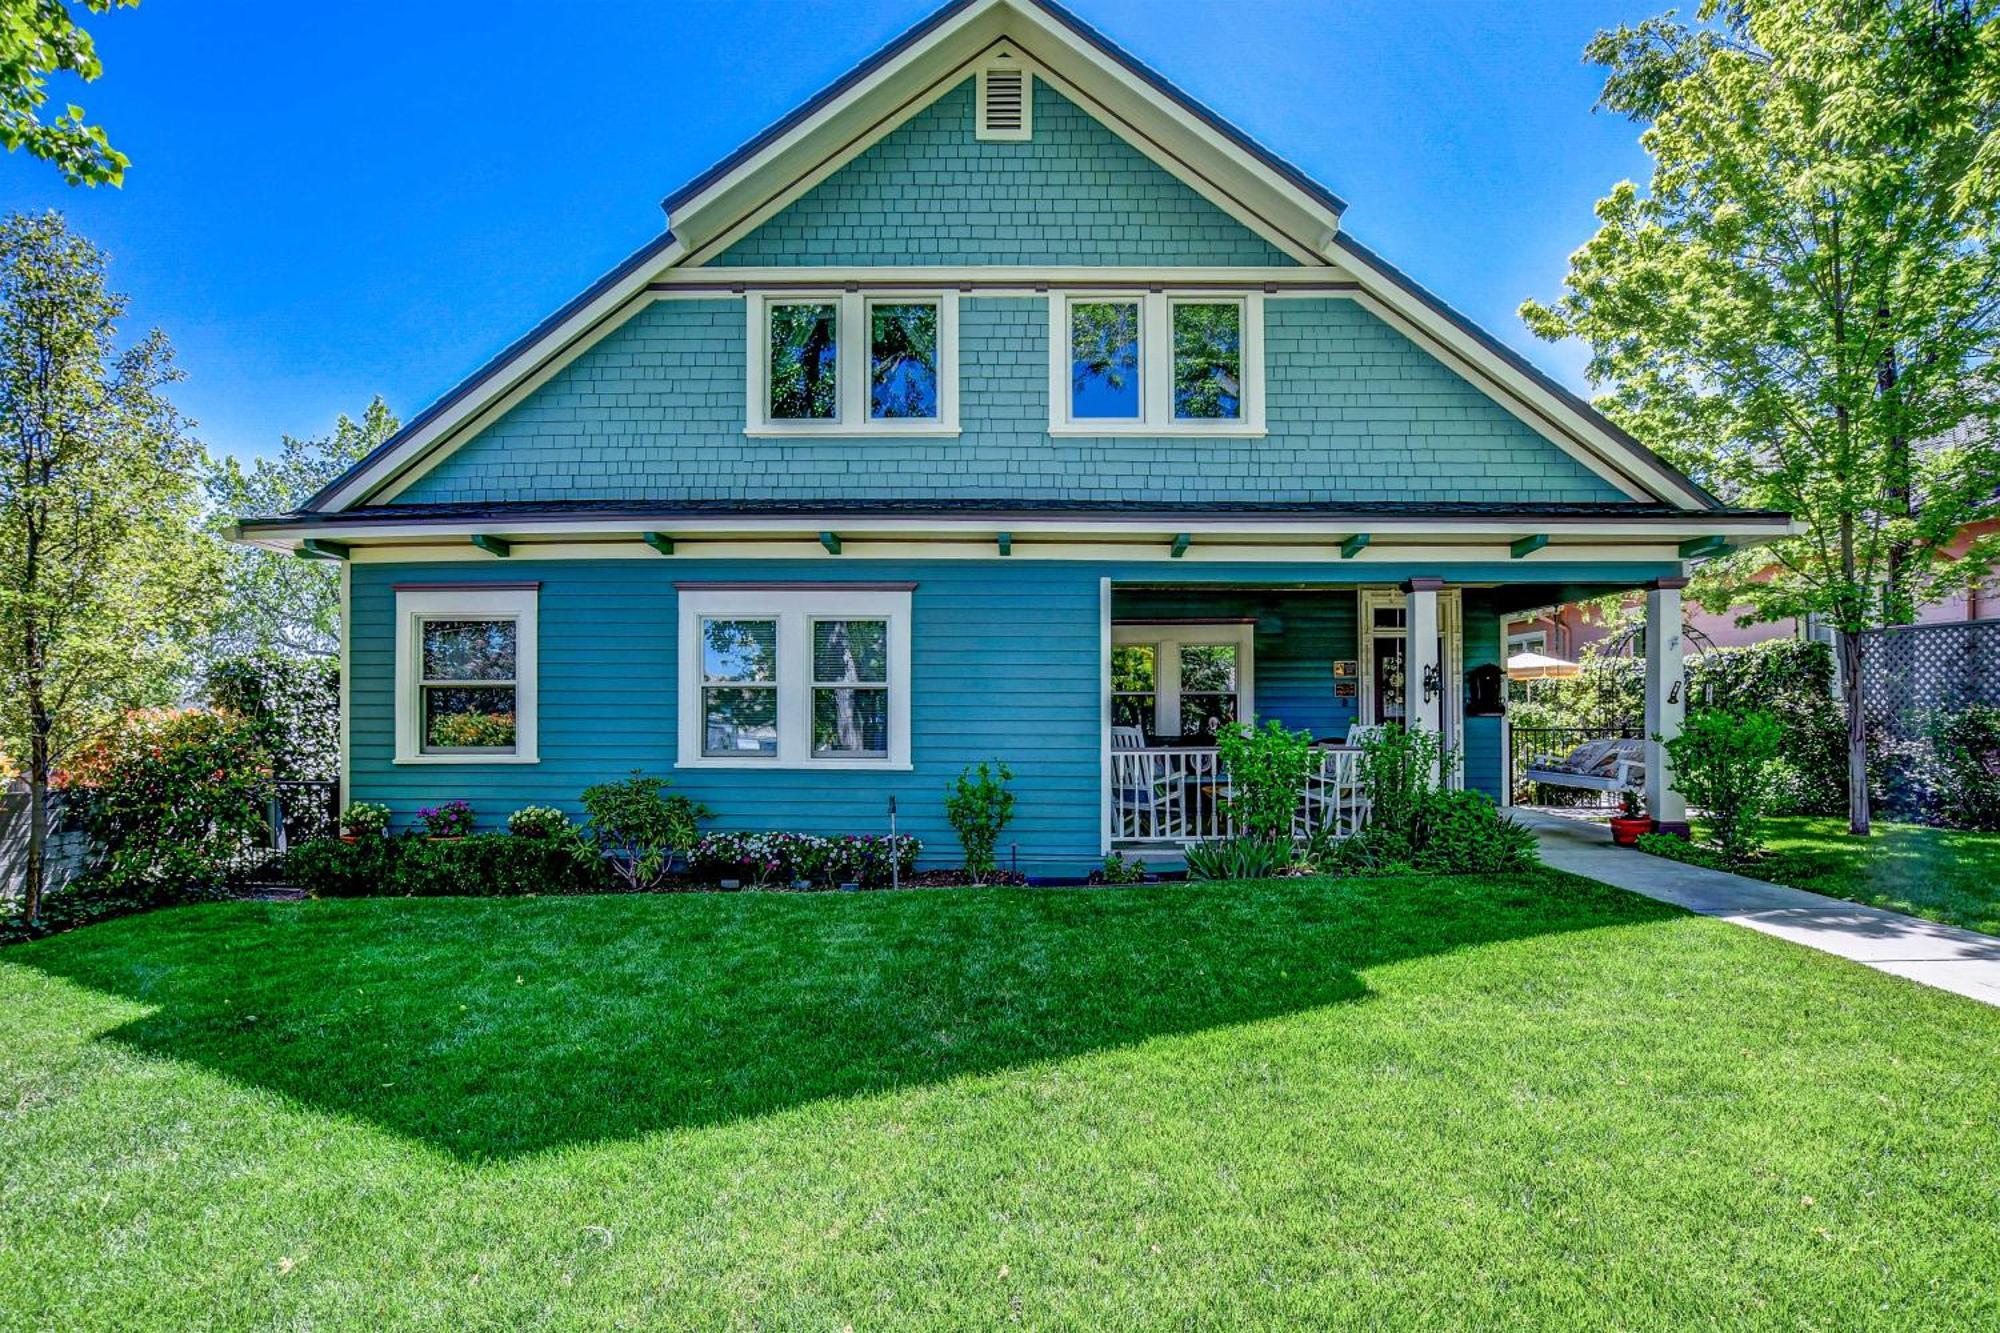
column 1943, row 874
column 1515, row 1103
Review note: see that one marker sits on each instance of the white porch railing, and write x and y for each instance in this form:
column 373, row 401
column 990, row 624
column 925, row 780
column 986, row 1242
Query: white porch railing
column 1181, row 795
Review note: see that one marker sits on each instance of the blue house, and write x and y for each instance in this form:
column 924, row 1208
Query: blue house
column 1001, row 402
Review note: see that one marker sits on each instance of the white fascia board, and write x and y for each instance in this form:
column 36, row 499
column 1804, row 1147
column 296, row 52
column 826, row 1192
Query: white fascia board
column 520, row 366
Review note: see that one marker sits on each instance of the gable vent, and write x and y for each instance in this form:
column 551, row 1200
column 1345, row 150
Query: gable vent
column 1006, row 108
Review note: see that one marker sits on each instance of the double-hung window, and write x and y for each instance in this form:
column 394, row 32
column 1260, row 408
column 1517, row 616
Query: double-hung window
column 1181, row 683
column 1156, row 363
column 853, row 363
column 466, row 663
column 786, row 677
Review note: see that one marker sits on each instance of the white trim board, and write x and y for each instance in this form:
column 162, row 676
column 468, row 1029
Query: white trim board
column 416, row 605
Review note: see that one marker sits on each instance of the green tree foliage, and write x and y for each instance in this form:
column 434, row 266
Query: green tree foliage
column 104, row 575
column 1801, row 307
column 294, row 705
column 39, row 38
column 278, row 602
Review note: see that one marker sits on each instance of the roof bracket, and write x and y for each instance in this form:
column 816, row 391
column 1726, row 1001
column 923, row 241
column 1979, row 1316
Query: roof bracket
column 1527, row 546
column 1701, row 548
column 831, row 541
column 1181, row 543
column 1353, row 546
column 318, row 548
column 659, row 541
column 492, row 545
column 1006, row 543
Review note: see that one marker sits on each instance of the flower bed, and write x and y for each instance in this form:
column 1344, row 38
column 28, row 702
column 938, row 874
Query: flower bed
column 763, row 860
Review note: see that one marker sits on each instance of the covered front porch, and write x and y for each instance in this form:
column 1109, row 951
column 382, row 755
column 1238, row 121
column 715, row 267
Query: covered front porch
column 1184, row 660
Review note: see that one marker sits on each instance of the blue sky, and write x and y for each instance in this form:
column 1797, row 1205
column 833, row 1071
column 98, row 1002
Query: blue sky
column 329, row 202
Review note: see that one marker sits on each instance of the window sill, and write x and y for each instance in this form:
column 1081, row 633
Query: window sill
column 807, row 766
column 467, row 759
column 843, row 430
column 1116, row 428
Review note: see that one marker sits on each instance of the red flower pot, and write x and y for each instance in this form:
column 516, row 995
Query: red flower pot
column 1625, row 829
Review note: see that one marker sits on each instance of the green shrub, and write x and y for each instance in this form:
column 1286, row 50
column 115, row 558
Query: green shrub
column 1118, row 870
column 1959, row 767
column 1268, row 767
column 175, row 797
column 1676, row 848
column 1417, row 822
column 638, row 826
column 979, row 807
column 766, row 859
column 484, row 865
column 364, row 820
column 292, row 702
column 540, row 821
column 1722, row 766
column 1247, row 857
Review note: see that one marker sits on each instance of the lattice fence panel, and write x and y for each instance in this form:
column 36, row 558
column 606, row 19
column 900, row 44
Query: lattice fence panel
column 1909, row 670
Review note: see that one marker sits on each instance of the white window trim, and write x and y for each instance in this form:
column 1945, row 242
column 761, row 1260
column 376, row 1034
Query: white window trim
column 794, row 610
column 416, row 605
column 1167, row 642
column 1156, row 368
column 851, row 396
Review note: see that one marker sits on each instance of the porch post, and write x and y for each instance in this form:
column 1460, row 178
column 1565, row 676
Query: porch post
column 1666, row 702
column 1423, row 673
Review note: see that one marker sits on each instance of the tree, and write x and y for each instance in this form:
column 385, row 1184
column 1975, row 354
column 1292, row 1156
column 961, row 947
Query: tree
column 39, row 38
column 279, row 602
column 104, row 574
column 1801, row 308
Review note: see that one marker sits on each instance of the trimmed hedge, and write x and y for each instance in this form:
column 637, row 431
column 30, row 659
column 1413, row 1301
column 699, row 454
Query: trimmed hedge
column 484, row 865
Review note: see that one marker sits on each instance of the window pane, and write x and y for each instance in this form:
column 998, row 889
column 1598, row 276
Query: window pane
column 1132, row 667
column 739, row 650
column 856, row 650
column 851, row 722
column 740, row 721
column 1104, row 359
column 1133, row 710
column 902, row 361
column 469, row 717
column 468, row 650
column 1203, row 715
column 803, row 355
column 1208, row 666
column 1389, row 617
column 1208, row 361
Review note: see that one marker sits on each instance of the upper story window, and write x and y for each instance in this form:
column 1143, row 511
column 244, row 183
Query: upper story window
column 849, row 363
column 465, row 675
column 1156, row 363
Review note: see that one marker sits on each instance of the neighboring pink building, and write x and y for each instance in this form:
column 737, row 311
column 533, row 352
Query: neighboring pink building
column 1566, row 631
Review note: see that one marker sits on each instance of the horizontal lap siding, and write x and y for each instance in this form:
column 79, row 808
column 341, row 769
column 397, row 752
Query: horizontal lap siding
column 1005, row 665
column 1483, row 760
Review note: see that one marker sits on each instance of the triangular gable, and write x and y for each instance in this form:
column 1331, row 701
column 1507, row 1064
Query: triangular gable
column 1217, row 163
column 932, row 192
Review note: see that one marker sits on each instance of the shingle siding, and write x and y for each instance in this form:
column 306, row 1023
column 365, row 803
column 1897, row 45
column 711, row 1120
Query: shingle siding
column 931, row 193
column 1356, row 412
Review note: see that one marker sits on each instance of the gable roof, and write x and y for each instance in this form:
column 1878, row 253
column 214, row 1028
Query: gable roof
column 1214, row 158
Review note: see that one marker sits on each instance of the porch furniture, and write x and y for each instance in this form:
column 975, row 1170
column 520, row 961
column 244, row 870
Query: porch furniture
column 1360, row 733
column 1607, row 764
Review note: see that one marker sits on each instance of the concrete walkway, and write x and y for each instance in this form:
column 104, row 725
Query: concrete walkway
column 1961, row 961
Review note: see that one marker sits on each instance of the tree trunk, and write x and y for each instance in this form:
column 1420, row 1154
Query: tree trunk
column 38, row 823
column 1857, row 733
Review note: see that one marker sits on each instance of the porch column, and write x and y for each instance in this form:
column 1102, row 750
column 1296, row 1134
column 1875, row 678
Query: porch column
column 1666, row 702
column 1423, row 674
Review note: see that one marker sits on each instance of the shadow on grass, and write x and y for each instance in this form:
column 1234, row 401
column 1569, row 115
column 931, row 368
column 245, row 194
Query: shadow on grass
column 496, row 1028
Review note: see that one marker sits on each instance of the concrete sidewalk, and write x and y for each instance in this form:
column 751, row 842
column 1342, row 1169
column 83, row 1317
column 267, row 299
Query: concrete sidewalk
column 1961, row 961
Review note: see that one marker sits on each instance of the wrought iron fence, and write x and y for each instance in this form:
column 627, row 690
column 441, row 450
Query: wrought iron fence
column 1536, row 747
column 295, row 811
column 1910, row 670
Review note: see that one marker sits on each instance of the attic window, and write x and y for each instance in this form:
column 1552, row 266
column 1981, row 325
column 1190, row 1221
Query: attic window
column 1006, row 105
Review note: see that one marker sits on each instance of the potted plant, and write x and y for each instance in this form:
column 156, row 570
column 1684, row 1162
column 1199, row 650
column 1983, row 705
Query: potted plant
column 363, row 820
column 1630, row 821
column 446, row 823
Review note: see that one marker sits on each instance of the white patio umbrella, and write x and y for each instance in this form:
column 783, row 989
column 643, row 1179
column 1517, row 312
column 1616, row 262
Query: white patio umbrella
column 1536, row 666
